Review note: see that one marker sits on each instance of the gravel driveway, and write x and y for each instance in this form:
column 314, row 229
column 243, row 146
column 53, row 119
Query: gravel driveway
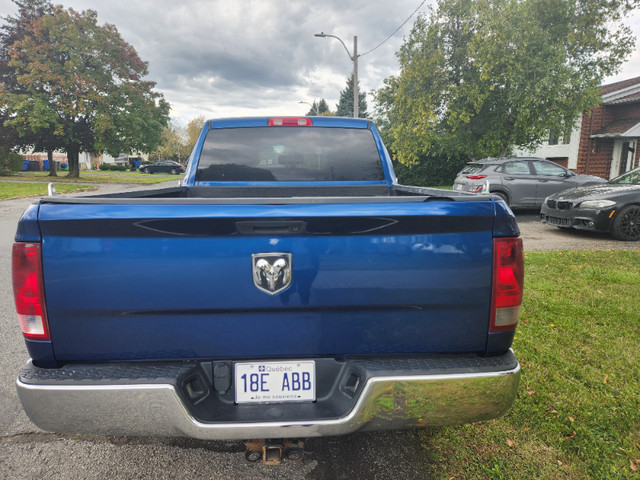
column 537, row 236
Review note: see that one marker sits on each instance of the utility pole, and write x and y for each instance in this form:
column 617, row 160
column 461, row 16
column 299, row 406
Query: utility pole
column 355, row 77
column 354, row 59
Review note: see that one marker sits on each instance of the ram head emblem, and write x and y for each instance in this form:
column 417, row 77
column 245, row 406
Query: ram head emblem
column 271, row 271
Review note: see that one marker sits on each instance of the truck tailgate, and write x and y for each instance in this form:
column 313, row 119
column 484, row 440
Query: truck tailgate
column 175, row 281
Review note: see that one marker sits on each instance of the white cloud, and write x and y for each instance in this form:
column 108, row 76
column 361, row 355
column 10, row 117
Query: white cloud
column 252, row 57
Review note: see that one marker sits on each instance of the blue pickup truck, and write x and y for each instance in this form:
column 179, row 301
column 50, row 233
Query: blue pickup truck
column 288, row 287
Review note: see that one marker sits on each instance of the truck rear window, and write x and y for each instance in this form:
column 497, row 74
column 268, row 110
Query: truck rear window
column 289, row 154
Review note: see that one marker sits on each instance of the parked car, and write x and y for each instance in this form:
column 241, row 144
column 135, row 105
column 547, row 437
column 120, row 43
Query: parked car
column 520, row 182
column 165, row 166
column 613, row 207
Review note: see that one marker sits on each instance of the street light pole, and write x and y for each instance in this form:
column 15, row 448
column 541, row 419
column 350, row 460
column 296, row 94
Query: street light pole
column 354, row 59
column 313, row 106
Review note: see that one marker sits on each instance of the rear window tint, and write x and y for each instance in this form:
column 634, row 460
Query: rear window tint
column 548, row 168
column 521, row 168
column 289, row 154
column 631, row 177
column 471, row 169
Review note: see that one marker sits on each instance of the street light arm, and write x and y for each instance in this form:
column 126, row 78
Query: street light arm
column 324, row 35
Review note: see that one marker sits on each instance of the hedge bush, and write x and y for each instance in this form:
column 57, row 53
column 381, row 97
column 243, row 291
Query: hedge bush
column 10, row 162
column 113, row 167
column 430, row 171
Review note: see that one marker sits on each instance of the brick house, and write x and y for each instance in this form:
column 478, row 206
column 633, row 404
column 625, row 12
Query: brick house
column 605, row 141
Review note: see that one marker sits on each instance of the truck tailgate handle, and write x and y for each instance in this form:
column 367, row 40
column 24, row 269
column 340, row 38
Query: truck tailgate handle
column 280, row 227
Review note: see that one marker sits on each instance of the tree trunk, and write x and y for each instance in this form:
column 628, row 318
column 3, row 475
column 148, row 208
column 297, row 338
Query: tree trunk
column 52, row 164
column 73, row 156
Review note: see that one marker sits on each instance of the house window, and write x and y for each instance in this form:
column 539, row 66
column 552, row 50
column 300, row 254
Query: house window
column 555, row 139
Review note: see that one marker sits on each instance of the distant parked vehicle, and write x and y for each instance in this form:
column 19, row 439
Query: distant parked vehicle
column 520, row 182
column 165, row 166
column 613, row 207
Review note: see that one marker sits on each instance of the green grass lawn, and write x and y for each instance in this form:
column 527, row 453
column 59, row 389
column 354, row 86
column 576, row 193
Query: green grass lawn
column 577, row 414
column 28, row 189
column 97, row 176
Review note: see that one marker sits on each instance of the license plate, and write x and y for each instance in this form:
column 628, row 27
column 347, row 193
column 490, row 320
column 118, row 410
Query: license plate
column 275, row 382
column 561, row 222
column 457, row 187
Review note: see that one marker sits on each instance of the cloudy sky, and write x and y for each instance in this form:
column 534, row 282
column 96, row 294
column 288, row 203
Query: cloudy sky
column 260, row 57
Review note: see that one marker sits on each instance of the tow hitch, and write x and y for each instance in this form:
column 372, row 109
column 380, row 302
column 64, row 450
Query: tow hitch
column 272, row 450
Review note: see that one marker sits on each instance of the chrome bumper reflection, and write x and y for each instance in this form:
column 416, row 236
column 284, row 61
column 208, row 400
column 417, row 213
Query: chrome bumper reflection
column 156, row 410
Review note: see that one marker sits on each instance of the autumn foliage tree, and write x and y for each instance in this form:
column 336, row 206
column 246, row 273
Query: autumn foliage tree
column 177, row 141
column 192, row 131
column 82, row 83
column 16, row 29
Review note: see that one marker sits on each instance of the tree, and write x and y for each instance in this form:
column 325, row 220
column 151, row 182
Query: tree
column 478, row 77
column 16, row 29
column 192, row 131
column 177, row 141
column 9, row 161
column 323, row 107
column 320, row 108
column 172, row 145
column 344, row 108
column 82, row 82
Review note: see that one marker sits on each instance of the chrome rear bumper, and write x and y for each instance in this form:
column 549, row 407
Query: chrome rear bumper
column 384, row 402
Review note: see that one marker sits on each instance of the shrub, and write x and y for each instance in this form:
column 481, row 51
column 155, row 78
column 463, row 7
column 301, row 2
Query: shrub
column 430, row 171
column 113, row 167
column 10, row 162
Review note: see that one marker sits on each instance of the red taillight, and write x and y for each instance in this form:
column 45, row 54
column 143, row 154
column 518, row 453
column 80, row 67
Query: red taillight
column 290, row 122
column 28, row 291
column 476, row 177
column 508, row 281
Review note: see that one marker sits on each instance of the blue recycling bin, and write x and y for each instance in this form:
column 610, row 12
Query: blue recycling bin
column 25, row 165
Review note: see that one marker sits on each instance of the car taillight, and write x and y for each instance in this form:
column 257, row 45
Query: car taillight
column 28, row 291
column 508, row 281
column 289, row 122
column 476, row 177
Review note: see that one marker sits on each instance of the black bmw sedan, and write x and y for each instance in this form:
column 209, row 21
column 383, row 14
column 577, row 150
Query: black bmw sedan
column 165, row 166
column 612, row 207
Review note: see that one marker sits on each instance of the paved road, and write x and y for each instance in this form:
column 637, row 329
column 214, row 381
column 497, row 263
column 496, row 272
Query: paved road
column 28, row 453
column 537, row 236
